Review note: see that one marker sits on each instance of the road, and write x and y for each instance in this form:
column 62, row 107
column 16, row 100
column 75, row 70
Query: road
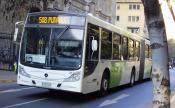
column 14, row 96
column 139, row 96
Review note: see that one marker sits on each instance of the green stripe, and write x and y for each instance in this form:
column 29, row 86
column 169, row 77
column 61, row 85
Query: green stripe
column 116, row 73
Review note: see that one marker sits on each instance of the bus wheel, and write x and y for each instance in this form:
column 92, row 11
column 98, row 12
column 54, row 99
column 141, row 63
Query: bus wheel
column 104, row 85
column 132, row 80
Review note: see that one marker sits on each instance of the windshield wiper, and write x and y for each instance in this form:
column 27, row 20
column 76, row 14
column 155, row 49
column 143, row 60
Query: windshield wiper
column 61, row 34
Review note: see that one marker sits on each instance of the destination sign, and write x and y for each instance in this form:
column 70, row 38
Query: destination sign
column 53, row 20
column 49, row 20
column 56, row 19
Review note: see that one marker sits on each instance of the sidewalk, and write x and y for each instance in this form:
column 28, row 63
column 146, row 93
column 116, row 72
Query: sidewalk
column 172, row 99
column 7, row 76
column 172, row 84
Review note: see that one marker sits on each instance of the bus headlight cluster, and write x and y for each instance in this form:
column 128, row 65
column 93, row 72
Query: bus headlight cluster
column 73, row 77
column 21, row 71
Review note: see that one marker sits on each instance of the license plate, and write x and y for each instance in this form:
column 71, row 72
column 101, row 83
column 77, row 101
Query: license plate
column 46, row 84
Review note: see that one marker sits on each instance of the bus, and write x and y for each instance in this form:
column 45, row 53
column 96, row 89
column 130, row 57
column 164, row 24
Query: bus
column 80, row 53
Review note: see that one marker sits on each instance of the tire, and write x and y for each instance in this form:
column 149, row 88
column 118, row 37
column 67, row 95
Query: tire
column 132, row 79
column 104, row 85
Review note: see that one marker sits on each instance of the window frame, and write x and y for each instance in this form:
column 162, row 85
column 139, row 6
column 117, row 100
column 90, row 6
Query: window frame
column 131, row 55
column 118, row 18
column 124, row 48
column 119, row 46
column 98, row 43
column 108, row 56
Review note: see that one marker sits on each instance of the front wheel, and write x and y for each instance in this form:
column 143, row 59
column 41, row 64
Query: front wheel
column 104, row 85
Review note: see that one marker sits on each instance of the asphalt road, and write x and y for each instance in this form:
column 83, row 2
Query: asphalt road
column 139, row 96
column 15, row 96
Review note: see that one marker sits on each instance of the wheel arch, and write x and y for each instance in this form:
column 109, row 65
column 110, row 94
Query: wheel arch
column 107, row 73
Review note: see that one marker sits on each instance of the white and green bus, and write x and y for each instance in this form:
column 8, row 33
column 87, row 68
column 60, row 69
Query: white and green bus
column 79, row 53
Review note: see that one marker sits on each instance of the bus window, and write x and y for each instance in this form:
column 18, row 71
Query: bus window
column 92, row 32
column 92, row 57
column 131, row 49
column 106, row 44
column 146, row 51
column 150, row 54
column 116, row 46
column 125, row 48
column 137, row 50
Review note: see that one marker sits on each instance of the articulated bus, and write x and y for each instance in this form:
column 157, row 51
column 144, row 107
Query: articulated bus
column 80, row 53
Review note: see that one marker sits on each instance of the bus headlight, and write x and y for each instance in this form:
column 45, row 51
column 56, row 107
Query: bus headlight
column 73, row 77
column 23, row 72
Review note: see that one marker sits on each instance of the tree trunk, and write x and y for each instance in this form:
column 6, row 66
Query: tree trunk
column 159, row 46
column 160, row 72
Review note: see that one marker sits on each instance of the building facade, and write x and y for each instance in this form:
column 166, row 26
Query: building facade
column 130, row 16
column 16, row 10
column 13, row 11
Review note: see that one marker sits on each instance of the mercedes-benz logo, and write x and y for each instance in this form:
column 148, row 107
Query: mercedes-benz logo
column 46, row 75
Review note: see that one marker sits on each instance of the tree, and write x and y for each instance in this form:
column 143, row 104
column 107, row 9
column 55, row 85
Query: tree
column 160, row 71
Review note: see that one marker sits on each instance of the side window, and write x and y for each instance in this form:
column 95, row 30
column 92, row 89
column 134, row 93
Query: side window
column 130, row 7
column 134, row 7
column 118, row 18
column 138, row 7
column 150, row 53
column 137, row 50
column 92, row 32
column 131, row 49
column 125, row 48
column 116, row 46
column 106, row 44
column 146, row 51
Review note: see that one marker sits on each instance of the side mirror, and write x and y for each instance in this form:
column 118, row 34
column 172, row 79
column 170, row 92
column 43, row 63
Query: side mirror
column 15, row 34
column 18, row 26
column 94, row 45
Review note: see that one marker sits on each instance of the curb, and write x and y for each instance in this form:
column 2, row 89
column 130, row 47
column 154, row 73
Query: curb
column 7, row 81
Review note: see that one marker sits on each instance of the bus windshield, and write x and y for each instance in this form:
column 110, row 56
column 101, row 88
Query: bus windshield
column 53, row 48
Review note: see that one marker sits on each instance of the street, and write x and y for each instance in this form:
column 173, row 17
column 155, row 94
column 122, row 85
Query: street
column 21, row 96
column 139, row 96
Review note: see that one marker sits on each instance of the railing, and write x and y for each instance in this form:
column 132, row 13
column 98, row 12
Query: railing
column 7, row 56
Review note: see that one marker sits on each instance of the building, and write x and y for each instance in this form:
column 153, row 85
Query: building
column 13, row 11
column 130, row 16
